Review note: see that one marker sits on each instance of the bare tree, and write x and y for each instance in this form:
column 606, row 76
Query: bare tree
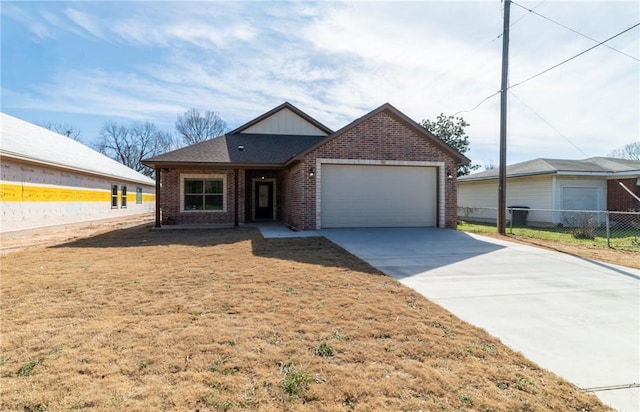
column 195, row 127
column 630, row 151
column 490, row 165
column 64, row 129
column 130, row 145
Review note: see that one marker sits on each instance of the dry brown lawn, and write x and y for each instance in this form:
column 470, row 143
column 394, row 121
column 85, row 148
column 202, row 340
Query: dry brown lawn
column 219, row 320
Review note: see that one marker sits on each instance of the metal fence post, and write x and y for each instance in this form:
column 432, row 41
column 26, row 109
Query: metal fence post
column 606, row 216
column 511, row 223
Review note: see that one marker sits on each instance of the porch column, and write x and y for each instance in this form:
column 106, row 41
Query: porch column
column 235, row 198
column 158, row 177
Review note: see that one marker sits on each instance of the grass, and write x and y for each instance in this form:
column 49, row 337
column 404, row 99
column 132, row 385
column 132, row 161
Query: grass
column 624, row 249
column 226, row 320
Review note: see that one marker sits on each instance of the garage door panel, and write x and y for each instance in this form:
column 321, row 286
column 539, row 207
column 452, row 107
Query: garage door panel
column 378, row 196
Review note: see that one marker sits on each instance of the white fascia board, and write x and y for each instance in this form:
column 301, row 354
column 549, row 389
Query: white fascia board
column 25, row 159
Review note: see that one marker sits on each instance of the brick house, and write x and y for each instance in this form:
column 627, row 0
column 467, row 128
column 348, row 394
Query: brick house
column 381, row 170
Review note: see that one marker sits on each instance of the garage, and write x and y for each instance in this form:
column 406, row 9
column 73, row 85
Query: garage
column 378, row 196
column 580, row 198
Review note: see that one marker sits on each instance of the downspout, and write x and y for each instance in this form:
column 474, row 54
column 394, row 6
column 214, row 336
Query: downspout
column 158, row 177
column 235, row 198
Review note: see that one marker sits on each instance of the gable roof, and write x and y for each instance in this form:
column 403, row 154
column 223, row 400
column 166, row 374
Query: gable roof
column 278, row 150
column 24, row 141
column 421, row 131
column 598, row 166
column 282, row 107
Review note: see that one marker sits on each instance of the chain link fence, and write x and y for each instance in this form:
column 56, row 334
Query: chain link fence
column 618, row 230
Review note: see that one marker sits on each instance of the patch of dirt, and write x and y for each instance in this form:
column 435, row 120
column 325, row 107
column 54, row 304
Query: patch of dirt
column 134, row 319
column 55, row 235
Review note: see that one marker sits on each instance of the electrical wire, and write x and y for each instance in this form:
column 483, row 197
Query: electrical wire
column 573, row 57
column 546, row 70
column 549, row 124
column 524, row 15
column 575, row 31
column 477, row 105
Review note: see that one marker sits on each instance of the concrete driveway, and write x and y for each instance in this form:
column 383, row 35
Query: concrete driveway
column 575, row 317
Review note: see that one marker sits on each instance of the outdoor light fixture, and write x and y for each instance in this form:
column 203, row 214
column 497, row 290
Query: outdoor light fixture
column 261, row 177
column 312, row 172
column 241, row 148
column 450, row 175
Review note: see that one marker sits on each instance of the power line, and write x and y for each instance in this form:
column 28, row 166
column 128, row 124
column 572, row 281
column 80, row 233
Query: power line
column 521, row 17
column 548, row 124
column 575, row 31
column 573, row 57
column 546, row 70
column 477, row 105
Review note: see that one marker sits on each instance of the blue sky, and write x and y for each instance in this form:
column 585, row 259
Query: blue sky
column 87, row 62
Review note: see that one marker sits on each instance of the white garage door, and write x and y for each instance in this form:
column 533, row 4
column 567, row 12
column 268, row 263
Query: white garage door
column 378, row 196
column 580, row 198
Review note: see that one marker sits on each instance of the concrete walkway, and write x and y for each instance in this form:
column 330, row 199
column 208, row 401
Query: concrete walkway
column 575, row 317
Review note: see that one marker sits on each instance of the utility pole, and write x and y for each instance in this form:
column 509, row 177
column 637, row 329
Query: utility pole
column 502, row 180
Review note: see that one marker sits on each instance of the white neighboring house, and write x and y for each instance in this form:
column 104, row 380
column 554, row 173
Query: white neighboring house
column 48, row 179
column 552, row 184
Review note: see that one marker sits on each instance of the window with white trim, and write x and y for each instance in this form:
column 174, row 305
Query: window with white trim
column 123, row 197
column 203, row 193
column 114, row 196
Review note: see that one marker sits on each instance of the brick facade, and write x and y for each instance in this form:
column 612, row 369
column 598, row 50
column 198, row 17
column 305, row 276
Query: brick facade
column 619, row 199
column 383, row 137
column 171, row 198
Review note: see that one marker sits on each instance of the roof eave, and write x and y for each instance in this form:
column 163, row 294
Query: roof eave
column 205, row 165
column 33, row 161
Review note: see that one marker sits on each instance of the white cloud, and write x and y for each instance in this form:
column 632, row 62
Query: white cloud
column 87, row 22
column 337, row 61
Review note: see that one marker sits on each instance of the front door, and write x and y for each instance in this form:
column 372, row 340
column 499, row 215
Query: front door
column 263, row 200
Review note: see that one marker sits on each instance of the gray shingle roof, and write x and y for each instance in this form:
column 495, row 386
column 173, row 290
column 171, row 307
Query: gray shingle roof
column 259, row 149
column 594, row 165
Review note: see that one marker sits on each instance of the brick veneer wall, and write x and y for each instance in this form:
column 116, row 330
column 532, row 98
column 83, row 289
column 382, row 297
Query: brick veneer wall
column 170, row 200
column 619, row 199
column 381, row 137
column 293, row 180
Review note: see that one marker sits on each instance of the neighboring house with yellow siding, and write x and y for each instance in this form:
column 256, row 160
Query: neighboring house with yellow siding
column 47, row 179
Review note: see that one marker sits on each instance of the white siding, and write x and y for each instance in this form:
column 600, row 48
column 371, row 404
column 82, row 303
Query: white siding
column 285, row 122
column 534, row 192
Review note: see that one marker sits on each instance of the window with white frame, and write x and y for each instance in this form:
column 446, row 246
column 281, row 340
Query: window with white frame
column 203, row 193
column 114, row 196
column 123, row 201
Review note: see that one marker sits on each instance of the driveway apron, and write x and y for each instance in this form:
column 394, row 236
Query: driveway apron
column 575, row 317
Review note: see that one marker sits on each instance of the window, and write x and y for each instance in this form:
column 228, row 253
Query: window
column 203, row 193
column 114, row 196
column 123, row 201
column 138, row 195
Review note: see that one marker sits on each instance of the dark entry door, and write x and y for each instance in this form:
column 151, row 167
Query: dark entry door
column 264, row 200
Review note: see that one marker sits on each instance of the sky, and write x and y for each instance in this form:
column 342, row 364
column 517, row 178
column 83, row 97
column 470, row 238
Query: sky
column 84, row 63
